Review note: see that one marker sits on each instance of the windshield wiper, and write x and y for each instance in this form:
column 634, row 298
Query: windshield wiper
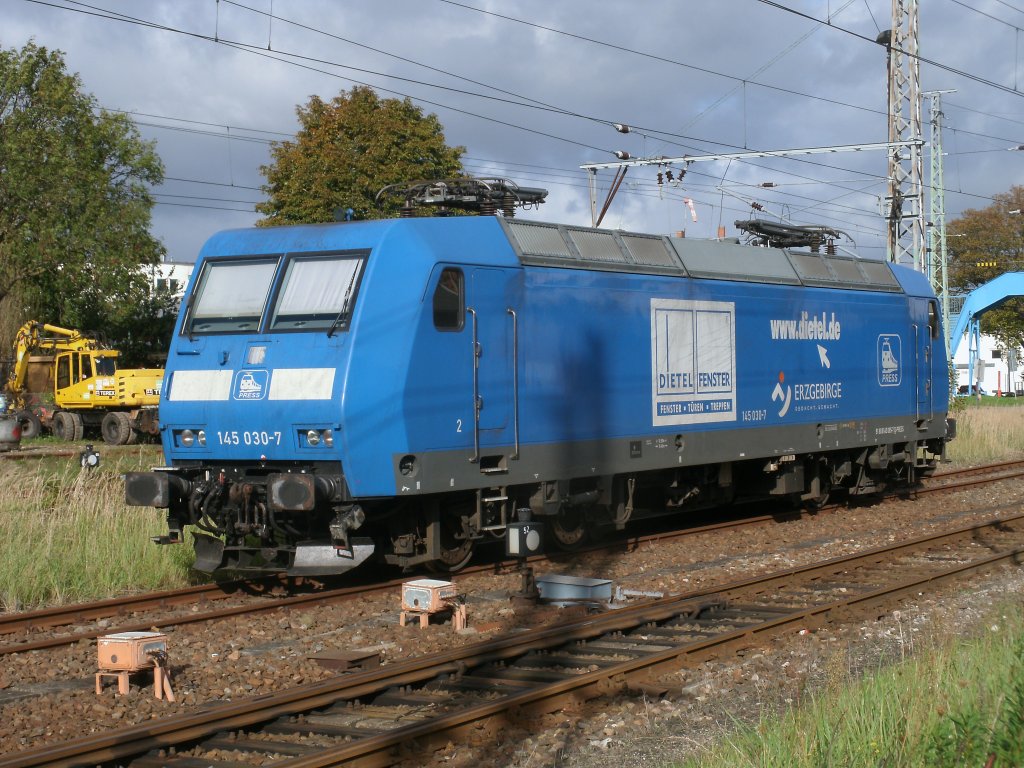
column 337, row 321
column 343, row 313
column 187, row 319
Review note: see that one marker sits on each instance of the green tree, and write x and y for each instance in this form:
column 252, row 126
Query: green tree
column 983, row 244
column 346, row 151
column 74, row 206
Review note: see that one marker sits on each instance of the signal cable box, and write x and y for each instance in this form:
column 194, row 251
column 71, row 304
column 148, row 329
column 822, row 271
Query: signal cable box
column 428, row 595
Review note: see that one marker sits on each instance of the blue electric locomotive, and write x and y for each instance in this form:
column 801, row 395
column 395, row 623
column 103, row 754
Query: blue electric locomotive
column 400, row 388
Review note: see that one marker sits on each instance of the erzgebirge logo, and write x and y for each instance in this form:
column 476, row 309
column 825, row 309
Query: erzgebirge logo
column 786, row 395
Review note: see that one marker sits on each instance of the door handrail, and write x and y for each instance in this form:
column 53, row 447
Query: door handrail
column 515, row 379
column 476, row 390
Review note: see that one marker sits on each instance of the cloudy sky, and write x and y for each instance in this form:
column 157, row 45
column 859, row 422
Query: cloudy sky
column 531, row 89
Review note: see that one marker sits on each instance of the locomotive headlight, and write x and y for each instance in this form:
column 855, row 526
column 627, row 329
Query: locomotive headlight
column 313, row 437
column 329, row 438
column 201, row 437
column 188, row 438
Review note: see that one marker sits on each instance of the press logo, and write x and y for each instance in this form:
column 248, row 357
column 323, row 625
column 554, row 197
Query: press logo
column 251, row 385
column 888, row 356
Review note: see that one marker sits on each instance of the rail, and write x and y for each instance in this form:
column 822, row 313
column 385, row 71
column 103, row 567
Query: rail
column 544, row 669
column 49, row 618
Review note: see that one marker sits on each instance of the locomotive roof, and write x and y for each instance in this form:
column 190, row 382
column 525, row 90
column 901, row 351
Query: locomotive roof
column 587, row 248
column 558, row 245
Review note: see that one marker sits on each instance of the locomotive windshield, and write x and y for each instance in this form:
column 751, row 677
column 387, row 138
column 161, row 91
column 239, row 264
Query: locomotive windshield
column 231, row 296
column 317, row 293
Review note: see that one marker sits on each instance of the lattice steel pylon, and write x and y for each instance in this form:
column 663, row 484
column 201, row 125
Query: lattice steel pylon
column 938, row 262
column 905, row 200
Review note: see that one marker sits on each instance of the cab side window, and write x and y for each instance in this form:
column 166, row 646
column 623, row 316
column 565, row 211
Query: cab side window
column 933, row 319
column 449, row 300
column 63, row 371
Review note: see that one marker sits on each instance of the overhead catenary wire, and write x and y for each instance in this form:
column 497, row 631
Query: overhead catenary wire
column 296, row 59
column 124, row 17
column 255, row 139
column 663, row 134
column 866, row 38
column 574, row 171
column 111, row 15
column 986, row 15
column 220, row 40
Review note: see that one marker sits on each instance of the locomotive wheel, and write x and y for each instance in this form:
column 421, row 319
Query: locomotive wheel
column 569, row 527
column 824, row 489
column 821, row 499
column 455, row 553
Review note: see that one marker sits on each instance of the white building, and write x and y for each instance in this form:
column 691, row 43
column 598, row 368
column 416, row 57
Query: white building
column 999, row 371
column 171, row 276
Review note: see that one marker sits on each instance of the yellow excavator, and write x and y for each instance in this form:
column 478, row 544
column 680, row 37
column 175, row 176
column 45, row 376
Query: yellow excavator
column 69, row 383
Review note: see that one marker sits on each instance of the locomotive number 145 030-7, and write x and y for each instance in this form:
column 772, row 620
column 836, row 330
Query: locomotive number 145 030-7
column 248, row 437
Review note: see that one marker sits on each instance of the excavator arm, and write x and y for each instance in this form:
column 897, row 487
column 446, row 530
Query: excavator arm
column 24, row 342
column 33, row 337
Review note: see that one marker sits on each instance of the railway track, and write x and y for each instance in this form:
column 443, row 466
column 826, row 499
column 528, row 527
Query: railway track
column 1002, row 470
column 463, row 695
column 33, row 630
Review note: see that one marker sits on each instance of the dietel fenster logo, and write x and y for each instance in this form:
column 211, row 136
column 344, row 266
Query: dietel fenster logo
column 250, row 385
column 888, row 356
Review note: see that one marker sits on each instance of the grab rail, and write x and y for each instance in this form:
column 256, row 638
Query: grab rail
column 515, row 378
column 476, row 390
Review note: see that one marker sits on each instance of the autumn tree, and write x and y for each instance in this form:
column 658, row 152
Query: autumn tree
column 74, row 206
column 346, row 151
column 983, row 244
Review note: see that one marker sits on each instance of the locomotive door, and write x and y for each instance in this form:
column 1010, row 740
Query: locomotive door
column 491, row 316
column 925, row 322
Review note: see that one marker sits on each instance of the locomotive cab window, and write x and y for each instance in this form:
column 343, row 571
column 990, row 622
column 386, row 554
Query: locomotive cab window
column 317, row 293
column 933, row 319
column 230, row 296
column 449, row 300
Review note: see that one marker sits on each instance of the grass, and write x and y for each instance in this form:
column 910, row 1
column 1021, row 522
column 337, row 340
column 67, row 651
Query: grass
column 955, row 704
column 998, row 402
column 66, row 534
column 987, row 431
